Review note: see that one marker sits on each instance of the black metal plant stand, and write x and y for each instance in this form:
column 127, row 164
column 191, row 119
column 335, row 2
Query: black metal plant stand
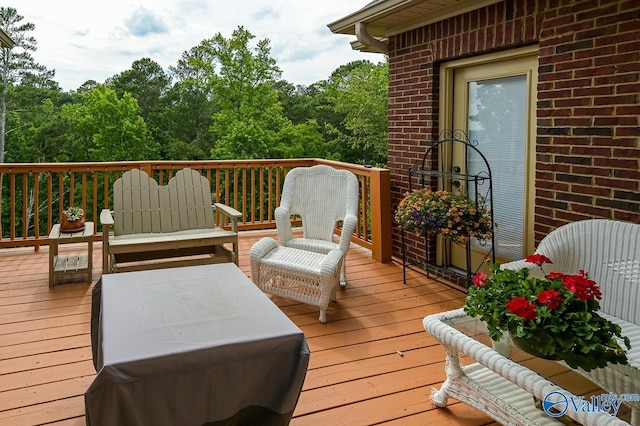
column 446, row 176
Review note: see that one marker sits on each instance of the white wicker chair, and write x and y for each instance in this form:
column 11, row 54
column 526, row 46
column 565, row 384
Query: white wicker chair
column 609, row 251
column 321, row 196
column 308, row 269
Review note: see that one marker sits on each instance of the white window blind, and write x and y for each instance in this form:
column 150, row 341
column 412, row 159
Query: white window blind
column 497, row 120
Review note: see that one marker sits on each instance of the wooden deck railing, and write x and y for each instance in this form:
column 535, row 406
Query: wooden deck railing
column 34, row 195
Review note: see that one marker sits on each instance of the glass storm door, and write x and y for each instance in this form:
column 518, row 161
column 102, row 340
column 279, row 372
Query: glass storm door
column 493, row 101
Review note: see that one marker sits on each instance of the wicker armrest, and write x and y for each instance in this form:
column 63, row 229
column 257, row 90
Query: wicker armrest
column 283, row 224
column 516, row 265
column 348, row 228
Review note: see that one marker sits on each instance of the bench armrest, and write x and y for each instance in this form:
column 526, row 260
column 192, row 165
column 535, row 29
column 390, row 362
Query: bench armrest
column 230, row 213
column 106, row 217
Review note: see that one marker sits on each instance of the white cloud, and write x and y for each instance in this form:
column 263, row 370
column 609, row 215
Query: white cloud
column 82, row 41
column 144, row 22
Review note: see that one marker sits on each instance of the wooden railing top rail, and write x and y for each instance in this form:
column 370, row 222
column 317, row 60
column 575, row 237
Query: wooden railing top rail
column 251, row 186
column 177, row 165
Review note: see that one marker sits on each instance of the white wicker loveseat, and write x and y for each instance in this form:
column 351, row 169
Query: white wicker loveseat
column 609, row 251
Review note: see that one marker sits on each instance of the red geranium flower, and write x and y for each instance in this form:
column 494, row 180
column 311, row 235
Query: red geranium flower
column 550, row 298
column 554, row 275
column 538, row 259
column 522, row 308
column 582, row 286
column 480, row 279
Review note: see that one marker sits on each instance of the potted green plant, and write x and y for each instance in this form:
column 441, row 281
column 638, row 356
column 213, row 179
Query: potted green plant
column 453, row 216
column 72, row 220
column 554, row 317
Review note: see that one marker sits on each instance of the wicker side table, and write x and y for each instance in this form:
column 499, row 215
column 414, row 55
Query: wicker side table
column 71, row 264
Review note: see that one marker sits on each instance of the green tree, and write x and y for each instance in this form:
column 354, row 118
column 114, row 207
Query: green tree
column 109, row 128
column 358, row 93
column 42, row 138
column 17, row 63
column 19, row 68
column 310, row 104
column 192, row 105
column 87, row 86
column 251, row 122
column 300, row 103
column 249, row 116
column 33, row 125
column 149, row 84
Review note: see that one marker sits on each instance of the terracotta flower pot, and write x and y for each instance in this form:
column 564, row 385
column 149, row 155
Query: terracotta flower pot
column 69, row 226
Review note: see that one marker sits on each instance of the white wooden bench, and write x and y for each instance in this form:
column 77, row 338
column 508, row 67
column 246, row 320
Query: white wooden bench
column 177, row 223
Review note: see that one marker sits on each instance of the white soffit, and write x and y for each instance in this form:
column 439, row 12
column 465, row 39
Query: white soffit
column 5, row 40
column 385, row 18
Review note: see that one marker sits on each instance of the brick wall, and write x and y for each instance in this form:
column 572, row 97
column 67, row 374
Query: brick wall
column 588, row 147
column 588, row 134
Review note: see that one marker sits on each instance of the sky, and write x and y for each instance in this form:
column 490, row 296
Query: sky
column 88, row 40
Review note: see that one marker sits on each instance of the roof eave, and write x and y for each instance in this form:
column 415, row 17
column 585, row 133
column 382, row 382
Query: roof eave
column 346, row 25
column 5, row 40
column 463, row 6
column 372, row 14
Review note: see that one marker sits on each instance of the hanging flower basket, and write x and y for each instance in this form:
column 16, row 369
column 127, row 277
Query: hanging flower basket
column 453, row 216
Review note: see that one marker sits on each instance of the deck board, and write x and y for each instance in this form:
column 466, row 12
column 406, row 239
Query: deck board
column 371, row 363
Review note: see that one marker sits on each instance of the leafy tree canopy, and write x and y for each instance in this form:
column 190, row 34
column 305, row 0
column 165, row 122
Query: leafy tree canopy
column 251, row 122
column 358, row 92
column 109, row 127
column 224, row 99
column 17, row 64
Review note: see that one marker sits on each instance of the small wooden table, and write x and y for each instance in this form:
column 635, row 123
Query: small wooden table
column 71, row 264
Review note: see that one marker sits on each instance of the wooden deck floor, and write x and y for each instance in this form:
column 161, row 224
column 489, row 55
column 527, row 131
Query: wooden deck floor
column 372, row 363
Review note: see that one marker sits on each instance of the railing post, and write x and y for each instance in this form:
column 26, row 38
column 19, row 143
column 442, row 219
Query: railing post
column 146, row 167
column 380, row 196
